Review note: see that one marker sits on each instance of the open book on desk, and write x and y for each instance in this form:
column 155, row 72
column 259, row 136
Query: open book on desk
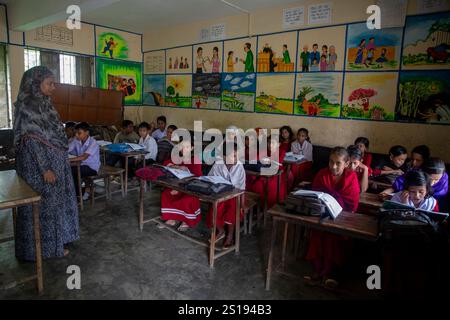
column 215, row 179
column 135, row 146
column 103, row 143
column 290, row 156
column 334, row 208
column 435, row 216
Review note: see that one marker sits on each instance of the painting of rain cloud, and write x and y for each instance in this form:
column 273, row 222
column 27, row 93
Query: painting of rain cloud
column 206, row 91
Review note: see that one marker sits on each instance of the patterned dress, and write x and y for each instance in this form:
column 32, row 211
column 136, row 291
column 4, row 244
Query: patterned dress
column 58, row 207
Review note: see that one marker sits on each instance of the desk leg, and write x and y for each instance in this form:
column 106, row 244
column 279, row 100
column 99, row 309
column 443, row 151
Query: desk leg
column 237, row 227
column 272, row 247
column 212, row 246
column 143, row 167
column 141, row 204
column 14, row 215
column 266, row 194
column 126, row 175
column 80, row 189
column 285, row 236
column 37, row 240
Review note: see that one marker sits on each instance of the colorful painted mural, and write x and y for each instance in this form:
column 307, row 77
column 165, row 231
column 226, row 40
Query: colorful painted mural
column 238, row 91
column 274, row 93
column 112, row 45
column 206, row 91
column 179, row 91
column 277, row 52
column 240, row 55
column 154, row 90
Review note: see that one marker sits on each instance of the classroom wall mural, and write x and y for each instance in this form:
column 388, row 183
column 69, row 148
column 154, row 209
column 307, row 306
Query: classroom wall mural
column 179, row 60
column 424, row 96
column 274, row 93
column 277, row 52
column 121, row 76
column 117, row 44
column 341, row 71
column 318, row 94
column 377, row 49
column 238, row 91
column 321, row 49
column 240, row 55
column 155, row 62
column 179, row 91
column 206, row 91
column 208, row 58
column 111, row 45
column 370, row 95
column 154, row 90
column 427, row 42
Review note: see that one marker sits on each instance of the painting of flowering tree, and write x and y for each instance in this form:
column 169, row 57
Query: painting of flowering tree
column 370, row 96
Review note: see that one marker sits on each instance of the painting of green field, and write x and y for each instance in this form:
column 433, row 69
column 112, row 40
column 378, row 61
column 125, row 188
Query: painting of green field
column 179, row 91
column 275, row 93
column 318, row 94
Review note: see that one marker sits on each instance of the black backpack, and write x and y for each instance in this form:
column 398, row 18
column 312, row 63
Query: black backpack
column 208, row 188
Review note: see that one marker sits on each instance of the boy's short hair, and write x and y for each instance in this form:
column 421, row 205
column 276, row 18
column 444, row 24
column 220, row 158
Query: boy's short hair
column 248, row 45
column 144, row 125
column 161, row 118
column 69, row 124
column 126, row 123
column 172, row 127
column 315, row 45
column 82, row 126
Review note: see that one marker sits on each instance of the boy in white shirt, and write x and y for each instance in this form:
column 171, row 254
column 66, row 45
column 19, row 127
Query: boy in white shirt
column 160, row 132
column 148, row 142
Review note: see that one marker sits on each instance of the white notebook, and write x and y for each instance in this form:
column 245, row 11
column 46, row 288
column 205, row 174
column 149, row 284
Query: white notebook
column 179, row 173
column 293, row 157
column 135, row 146
column 334, row 208
column 103, row 143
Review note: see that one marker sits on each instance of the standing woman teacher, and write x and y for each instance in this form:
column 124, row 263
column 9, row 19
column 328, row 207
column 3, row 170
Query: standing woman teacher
column 42, row 160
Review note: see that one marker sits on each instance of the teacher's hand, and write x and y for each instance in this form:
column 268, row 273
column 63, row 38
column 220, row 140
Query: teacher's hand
column 49, row 176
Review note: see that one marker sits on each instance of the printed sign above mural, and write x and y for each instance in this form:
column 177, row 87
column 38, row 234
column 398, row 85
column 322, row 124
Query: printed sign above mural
column 154, row 62
column 240, row 55
column 277, row 52
column 208, row 58
column 121, row 76
column 370, row 95
column 427, row 42
column 321, row 49
column 318, row 94
column 238, row 91
column 424, row 96
column 178, row 60
column 373, row 49
column 115, row 44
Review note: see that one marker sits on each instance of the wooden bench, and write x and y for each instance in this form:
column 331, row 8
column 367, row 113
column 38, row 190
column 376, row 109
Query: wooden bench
column 251, row 203
column 105, row 173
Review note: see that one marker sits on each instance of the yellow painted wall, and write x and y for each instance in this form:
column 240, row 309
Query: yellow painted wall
column 326, row 132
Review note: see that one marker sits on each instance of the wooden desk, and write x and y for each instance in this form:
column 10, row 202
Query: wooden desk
column 80, row 190
column 347, row 224
column 126, row 155
column 266, row 187
column 176, row 184
column 377, row 185
column 15, row 192
column 369, row 203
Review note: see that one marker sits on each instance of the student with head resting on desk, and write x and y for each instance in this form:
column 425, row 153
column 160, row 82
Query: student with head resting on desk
column 86, row 150
column 230, row 168
column 160, row 130
column 302, row 145
column 362, row 171
column 417, row 192
column 419, row 155
column 327, row 250
column 69, row 127
column 388, row 170
column 178, row 206
column 286, row 138
column 435, row 168
column 363, row 144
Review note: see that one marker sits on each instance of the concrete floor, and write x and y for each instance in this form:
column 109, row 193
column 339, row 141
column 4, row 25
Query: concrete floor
column 118, row 261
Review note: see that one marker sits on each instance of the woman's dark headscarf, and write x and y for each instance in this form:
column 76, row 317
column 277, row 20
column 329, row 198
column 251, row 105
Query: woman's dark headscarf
column 34, row 113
